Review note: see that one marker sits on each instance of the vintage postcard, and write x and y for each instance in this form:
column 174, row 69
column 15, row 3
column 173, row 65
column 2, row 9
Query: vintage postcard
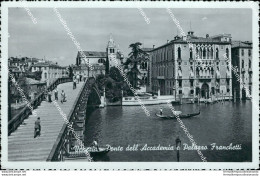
column 129, row 85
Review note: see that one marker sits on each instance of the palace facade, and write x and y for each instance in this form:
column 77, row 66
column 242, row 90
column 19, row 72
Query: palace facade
column 192, row 66
column 242, row 66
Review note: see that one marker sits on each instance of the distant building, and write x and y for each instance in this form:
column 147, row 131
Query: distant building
column 50, row 71
column 177, row 71
column 242, row 66
column 95, row 59
column 23, row 63
column 145, row 69
column 101, row 61
column 34, row 87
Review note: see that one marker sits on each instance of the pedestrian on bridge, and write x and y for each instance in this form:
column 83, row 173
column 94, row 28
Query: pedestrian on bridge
column 37, row 127
column 49, row 96
column 56, row 93
column 63, row 96
column 74, row 83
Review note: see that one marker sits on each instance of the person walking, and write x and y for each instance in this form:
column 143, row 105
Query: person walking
column 85, row 77
column 56, row 93
column 74, row 83
column 49, row 96
column 37, row 127
column 77, row 78
column 63, row 96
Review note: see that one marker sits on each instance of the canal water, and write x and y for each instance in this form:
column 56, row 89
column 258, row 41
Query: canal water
column 223, row 124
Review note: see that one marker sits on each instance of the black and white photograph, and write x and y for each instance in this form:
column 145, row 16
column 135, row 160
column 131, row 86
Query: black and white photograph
column 146, row 86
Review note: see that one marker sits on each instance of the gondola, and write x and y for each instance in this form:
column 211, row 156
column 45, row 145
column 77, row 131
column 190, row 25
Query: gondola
column 101, row 152
column 92, row 151
column 180, row 116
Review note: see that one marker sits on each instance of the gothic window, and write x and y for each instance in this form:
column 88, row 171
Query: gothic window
column 179, row 53
column 45, row 75
column 204, row 53
column 190, row 53
column 200, row 53
column 208, row 51
column 197, row 72
column 243, row 63
column 211, row 53
column 242, row 52
column 217, row 53
column 227, row 53
column 196, row 54
column 249, row 64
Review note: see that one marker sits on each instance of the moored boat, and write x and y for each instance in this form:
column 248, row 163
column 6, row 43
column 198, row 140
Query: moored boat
column 175, row 116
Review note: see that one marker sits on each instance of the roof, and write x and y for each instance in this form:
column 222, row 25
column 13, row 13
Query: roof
column 93, row 54
column 33, row 81
column 46, row 64
column 194, row 39
column 147, row 49
column 241, row 44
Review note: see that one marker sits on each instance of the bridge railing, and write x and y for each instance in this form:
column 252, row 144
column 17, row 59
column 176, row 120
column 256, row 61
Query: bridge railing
column 56, row 152
column 14, row 123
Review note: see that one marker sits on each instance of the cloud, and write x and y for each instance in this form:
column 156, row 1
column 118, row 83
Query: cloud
column 204, row 18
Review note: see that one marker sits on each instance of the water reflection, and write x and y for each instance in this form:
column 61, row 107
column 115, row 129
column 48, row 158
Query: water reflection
column 219, row 123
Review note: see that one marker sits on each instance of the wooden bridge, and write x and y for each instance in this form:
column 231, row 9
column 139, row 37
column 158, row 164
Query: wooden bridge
column 54, row 139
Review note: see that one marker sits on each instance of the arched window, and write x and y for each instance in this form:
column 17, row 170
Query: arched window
column 101, row 61
column 208, row 51
column 217, row 53
column 243, row 63
column 45, row 75
column 227, row 53
column 200, row 53
column 204, row 53
column 179, row 53
column 197, row 53
column 197, row 71
column 211, row 53
column 190, row 53
column 249, row 64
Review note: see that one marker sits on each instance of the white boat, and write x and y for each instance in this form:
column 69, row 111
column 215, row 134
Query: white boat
column 146, row 100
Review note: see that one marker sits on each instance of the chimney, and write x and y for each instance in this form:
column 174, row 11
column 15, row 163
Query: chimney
column 167, row 41
column 153, row 46
column 207, row 35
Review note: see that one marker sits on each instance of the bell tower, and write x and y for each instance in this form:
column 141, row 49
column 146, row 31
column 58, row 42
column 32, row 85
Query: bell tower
column 112, row 52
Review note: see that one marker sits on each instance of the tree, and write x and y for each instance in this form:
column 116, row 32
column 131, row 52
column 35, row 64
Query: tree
column 115, row 74
column 136, row 56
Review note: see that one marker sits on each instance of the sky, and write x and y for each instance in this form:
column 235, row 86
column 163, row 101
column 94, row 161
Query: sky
column 92, row 27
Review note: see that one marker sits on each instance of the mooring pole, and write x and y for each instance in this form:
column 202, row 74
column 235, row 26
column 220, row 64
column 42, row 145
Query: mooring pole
column 178, row 147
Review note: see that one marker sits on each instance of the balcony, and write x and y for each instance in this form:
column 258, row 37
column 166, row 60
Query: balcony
column 160, row 77
column 250, row 70
column 191, row 76
column 243, row 70
column 179, row 77
column 190, row 59
column 205, row 77
column 179, row 59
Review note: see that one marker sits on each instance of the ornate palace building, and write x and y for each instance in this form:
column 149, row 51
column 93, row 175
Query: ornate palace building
column 242, row 66
column 202, row 70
